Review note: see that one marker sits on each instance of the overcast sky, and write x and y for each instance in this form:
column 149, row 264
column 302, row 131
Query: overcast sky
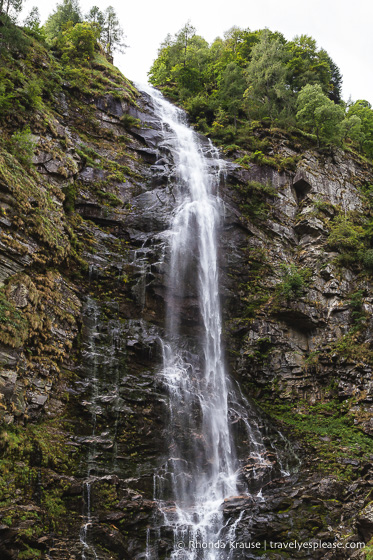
column 343, row 28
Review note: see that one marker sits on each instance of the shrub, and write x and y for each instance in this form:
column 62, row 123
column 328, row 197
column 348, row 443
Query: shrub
column 31, row 93
column 22, row 146
column 255, row 204
column 130, row 122
column 367, row 259
column 357, row 310
column 294, row 281
column 6, row 96
column 78, row 41
column 12, row 37
column 346, row 236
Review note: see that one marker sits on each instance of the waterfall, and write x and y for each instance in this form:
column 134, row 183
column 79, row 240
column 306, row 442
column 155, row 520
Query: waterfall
column 100, row 384
column 218, row 446
column 202, row 468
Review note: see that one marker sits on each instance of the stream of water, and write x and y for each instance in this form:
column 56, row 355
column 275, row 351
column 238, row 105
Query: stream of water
column 218, row 445
column 202, row 468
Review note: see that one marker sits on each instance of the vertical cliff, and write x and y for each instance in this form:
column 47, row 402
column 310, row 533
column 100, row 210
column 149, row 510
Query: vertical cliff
column 83, row 240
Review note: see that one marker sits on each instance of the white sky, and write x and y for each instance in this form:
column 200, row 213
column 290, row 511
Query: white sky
column 342, row 27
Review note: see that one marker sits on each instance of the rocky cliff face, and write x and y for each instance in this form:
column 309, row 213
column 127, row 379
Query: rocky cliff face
column 82, row 264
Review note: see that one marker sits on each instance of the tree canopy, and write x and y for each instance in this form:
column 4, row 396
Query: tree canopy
column 255, row 74
column 267, row 93
column 96, row 25
column 319, row 114
column 258, row 76
column 11, row 8
column 65, row 12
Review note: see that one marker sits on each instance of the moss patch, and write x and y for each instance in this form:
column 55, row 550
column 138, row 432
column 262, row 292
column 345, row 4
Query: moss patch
column 328, row 435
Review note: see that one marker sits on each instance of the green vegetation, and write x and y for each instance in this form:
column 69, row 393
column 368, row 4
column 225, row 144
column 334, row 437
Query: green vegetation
column 327, row 433
column 258, row 77
column 345, row 235
column 319, row 114
column 28, row 455
column 13, row 324
column 255, row 199
column 78, row 42
column 235, row 89
column 43, row 217
column 21, row 146
column 293, row 282
column 68, row 11
column 255, row 293
column 10, row 8
column 351, row 233
column 66, row 30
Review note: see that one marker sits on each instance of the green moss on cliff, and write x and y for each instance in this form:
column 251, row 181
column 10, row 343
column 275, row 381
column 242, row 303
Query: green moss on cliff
column 256, row 199
column 328, row 434
column 14, row 326
column 28, row 456
column 37, row 208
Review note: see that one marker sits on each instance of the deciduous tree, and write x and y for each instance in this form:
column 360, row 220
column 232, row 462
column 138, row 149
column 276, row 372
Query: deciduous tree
column 319, row 114
column 11, row 8
column 66, row 11
column 363, row 110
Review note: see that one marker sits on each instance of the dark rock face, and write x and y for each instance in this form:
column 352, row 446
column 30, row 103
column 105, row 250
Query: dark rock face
column 292, row 232
column 80, row 377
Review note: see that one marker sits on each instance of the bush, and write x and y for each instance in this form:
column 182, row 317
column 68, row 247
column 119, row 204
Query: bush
column 357, row 310
column 294, row 281
column 346, row 236
column 255, row 202
column 78, row 42
column 367, row 259
column 31, row 93
column 22, row 146
column 6, row 96
column 11, row 37
column 130, row 122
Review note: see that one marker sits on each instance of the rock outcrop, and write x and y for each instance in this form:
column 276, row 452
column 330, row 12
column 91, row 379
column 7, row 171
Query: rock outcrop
column 83, row 260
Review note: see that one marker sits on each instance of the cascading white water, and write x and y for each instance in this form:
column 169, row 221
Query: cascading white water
column 205, row 406
column 201, row 470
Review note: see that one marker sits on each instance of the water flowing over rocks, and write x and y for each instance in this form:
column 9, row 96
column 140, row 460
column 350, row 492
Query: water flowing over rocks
column 87, row 367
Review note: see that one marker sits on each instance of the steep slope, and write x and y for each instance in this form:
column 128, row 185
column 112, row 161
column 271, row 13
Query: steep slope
column 83, row 306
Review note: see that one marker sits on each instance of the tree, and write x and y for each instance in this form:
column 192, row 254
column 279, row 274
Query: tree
column 67, row 11
column 238, row 44
column 183, row 40
column 32, row 24
column 97, row 19
column 232, row 87
column 79, row 41
column 335, row 84
column 319, row 114
column 112, row 34
column 351, row 128
column 363, row 110
column 184, row 61
column 11, row 8
column 33, row 18
column 306, row 64
column 96, row 16
column 266, row 93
